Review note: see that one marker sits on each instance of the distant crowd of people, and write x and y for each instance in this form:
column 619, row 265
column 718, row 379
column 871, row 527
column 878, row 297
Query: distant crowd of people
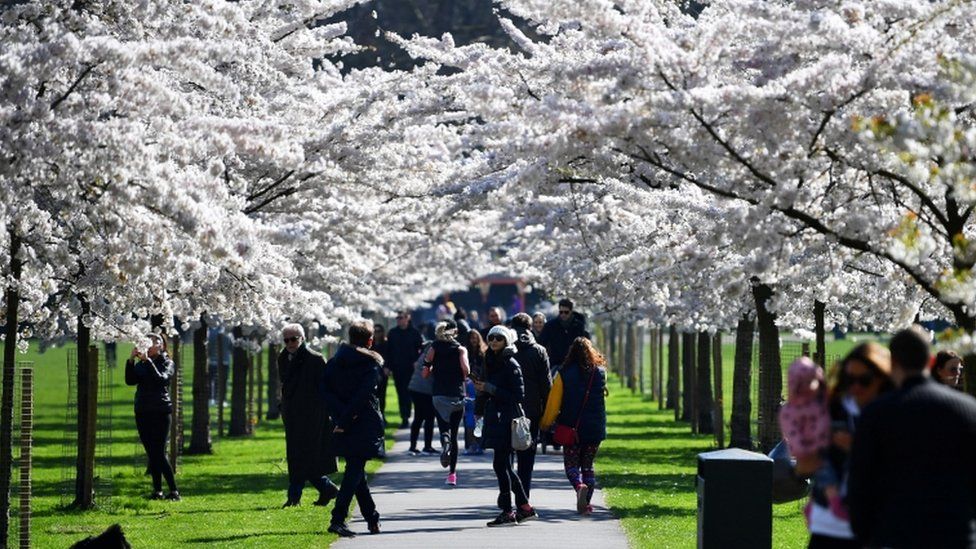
column 889, row 440
column 482, row 379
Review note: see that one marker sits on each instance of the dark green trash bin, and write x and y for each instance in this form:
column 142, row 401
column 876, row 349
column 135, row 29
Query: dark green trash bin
column 735, row 504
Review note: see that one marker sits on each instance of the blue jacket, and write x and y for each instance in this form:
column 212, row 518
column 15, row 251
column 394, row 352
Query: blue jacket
column 593, row 422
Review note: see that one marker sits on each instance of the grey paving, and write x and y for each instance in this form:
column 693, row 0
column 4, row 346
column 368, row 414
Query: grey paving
column 419, row 510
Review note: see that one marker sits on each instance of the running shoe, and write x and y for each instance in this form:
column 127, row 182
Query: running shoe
column 525, row 515
column 505, row 518
column 582, row 498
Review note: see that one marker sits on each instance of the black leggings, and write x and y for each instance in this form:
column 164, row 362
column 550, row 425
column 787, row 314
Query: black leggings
column 449, row 434
column 508, row 481
column 423, row 415
column 153, row 428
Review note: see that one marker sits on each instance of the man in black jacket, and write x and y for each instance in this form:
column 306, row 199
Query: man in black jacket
column 559, row 333
column 308, row 431
column 349, row 387
column 403, row 346
column 913, row 464
column 534, row 361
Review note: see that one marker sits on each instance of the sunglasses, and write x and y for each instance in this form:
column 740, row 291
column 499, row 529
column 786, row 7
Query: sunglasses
column 496, row 338
column 564, row 311
column 863, row 380
column 291, row 339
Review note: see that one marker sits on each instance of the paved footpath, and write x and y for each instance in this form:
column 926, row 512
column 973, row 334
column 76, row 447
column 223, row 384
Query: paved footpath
column 418, row 510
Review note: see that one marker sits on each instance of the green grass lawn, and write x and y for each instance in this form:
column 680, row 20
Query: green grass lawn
column 230, row 499
column 647, row 466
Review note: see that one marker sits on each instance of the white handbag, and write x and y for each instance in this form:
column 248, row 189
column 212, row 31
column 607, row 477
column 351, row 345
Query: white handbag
column 521, row 432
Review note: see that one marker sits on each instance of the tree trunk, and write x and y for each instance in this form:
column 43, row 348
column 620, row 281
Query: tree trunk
column 274, row 387
column 259, row 357
column 654, row 379
column 690, row 412
column 250, row 392
column 770, row 369
column 819, row 311
column 238, row 395
column 221, row 384
column 639, row 357
column 740, row 425
column 630, row 355
column 703, row 383
column 719, row 396
column 674, row 372
column 176, row 390
column 200, row 442
column 87, row 413
column 660, row 365
column 12, row 304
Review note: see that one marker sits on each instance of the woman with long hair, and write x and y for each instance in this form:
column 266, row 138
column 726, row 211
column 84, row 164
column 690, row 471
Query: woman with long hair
column 446, row 362
column 577, row 406
column 501, row 392
column 476, row 359
column 150, row 372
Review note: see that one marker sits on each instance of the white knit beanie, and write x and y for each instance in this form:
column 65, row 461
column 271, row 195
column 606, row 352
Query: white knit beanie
column 505, row 332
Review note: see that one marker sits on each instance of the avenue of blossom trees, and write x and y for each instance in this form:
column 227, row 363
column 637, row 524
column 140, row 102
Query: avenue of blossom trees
column 808, row 162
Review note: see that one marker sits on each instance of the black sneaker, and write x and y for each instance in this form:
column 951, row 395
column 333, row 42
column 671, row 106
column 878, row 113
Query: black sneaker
column 341, row 530
column 413, row 452
column 525, row 516
column 291, row 503
column 429, row 450
column 173, row 496
column 505, row 518
column 158, row 494
column 327, row 496
column 404, row 424
column 373, row 524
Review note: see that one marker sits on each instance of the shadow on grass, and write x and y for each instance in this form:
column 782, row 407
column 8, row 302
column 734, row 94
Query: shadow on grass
column 250, row 535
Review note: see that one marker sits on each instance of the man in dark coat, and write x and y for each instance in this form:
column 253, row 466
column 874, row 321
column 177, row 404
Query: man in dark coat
column 308, row 438
column 403, row 346
column 534, row 361
column 913, row 465
column 350, row 391
column 559, row 333
column 496, row 317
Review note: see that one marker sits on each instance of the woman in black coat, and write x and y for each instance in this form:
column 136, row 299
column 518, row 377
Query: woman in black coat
column 502, row 392
column 350, row 383
column 151, row 373
column 577, row 401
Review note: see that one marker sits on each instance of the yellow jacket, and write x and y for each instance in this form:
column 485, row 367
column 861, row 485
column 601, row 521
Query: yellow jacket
column 553, row 404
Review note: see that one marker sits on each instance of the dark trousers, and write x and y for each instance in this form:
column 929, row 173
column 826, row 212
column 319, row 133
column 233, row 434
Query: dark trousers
column 818, row 541
column 153, row 428
column 449, row 434
column 323, row 484
column 526, row 461
column 508, row 481
column 354, row 483
column 401, row 379
column 424, row 417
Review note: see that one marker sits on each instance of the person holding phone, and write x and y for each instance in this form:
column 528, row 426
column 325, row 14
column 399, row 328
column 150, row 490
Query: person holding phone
column 150, row 372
